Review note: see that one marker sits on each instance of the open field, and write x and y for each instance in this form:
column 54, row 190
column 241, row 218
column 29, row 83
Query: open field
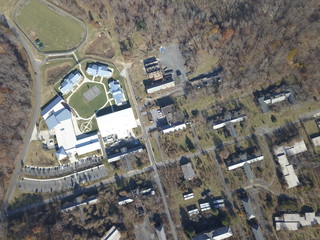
column 55, row 29
column 40, row 157
column 87, row 109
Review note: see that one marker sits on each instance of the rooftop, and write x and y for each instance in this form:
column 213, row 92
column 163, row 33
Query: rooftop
column 188, row 171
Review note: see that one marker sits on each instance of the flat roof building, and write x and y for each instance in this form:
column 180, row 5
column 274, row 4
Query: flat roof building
column 59, row 119
column 112, row 234
column 160, row 85
column 292, row 221
column 188, row 171
column 316, row 141
column 119, row 123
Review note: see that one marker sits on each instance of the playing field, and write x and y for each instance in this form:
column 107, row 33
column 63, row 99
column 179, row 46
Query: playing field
column 55, row 30
column 85, row 108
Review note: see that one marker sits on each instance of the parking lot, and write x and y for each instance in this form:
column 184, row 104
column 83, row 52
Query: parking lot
column 171, row 58
column 63, row 183
column 62, row 169
column 158, row 119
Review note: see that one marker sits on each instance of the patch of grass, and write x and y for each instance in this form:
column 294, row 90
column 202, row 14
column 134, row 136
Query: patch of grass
column 206, row 63
column 37, row 156
column 87, row 109
column 54, row 28
column 311, row 127
column 156, row 150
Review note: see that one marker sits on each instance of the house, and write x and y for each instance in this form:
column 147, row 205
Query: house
column 216, row 234
column 193, row 210
column 70, row 81
column 160, row 233
column 188, row 171
column 173, row 128
column 124, row 200
column 274, row 98
column 245, row 161
column 248, row 208
column 316, row 141
column 160, row 85
column 117, row 93
column 205, row 206
column 218, row 203
column 119, row 123
column 188, row 196
column 99, row 70
column 288, row 171
column 70, row 207
column 221, row 124
column 112, row 234
column 257, row 232
column 124, row 152
column 292, row 221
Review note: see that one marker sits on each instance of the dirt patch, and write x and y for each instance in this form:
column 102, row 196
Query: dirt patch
column 101, row 46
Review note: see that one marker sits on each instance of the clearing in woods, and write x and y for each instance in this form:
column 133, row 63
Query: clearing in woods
column 48, row 28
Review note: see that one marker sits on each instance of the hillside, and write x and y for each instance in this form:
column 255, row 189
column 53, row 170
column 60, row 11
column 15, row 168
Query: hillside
column 15, row 102
column 257, row 42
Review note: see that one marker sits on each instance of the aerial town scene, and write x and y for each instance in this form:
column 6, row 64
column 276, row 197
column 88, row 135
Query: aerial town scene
column 160, row 120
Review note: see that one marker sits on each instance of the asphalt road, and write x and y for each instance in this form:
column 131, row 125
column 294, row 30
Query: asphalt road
column 36, row 111
column 125, row 74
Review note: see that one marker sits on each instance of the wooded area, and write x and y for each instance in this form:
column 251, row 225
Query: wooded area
column 257, row 42
column 15, row 102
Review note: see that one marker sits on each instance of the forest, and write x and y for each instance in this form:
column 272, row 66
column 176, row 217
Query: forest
column 15, row 102
column 257, row 43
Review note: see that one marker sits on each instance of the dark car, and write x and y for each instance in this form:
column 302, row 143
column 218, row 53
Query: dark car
column 178, row 72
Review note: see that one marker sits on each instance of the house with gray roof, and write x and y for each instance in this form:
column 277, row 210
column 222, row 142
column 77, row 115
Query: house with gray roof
column 248, row 208
column 70, row 81
column 117, row 92
column 99, row 70
column 188, row 171
column 273, row 98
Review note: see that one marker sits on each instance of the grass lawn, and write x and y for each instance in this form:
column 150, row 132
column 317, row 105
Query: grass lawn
column 55, row 29
column 87, row 109
column 311, row 127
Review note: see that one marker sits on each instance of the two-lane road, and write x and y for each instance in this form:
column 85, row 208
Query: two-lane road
column 35, row 64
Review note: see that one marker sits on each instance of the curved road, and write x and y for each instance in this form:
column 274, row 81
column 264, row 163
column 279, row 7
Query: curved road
column 36, row 111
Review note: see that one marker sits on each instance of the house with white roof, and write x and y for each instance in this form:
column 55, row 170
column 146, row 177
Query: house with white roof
column 119, row 123
column 292, row 221
column 288, row 171
column 112, row 234
column 316, row 141
column 70, row 81
column 99, row 70
column 216, row 234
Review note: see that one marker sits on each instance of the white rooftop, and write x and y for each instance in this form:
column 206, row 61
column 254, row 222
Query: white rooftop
column 316, row 141
column 288, row 171
column 118, row 123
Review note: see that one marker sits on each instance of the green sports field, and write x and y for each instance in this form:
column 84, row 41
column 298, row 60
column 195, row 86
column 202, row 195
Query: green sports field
column 56, row 30
column 84, row 108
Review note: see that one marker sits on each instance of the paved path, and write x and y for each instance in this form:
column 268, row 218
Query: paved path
column 145, row 135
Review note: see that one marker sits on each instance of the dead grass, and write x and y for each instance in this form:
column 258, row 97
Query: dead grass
column 40, row 157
